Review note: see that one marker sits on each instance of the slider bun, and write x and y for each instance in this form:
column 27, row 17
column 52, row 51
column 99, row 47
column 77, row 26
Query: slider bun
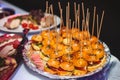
column 53, row 63
column 64, row 73
column 66, row 58
column 56, row 55
column 80, row 62
column 79, row 72
column 67, row 66
column 46, row 69
column 95, row 67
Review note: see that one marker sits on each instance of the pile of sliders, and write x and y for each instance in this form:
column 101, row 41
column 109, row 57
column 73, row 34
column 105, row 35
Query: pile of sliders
column 74, row 53
column 70, row 50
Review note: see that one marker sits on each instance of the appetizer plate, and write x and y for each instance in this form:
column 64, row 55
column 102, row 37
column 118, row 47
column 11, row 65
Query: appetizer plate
column 20, row 28
column 22, row 69
column 51, row 76
column 8, row 50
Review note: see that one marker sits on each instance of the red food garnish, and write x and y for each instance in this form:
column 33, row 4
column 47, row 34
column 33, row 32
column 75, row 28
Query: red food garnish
column 24, row 25
column 31, row 25
column 35, row 27
column 16, row 43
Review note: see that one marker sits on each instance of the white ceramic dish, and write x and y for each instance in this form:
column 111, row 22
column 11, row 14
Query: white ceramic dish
column 20, row 29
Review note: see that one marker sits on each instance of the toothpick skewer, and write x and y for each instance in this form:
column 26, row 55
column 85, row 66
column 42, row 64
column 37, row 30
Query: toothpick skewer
column 88, row 23
column 83, row 23
column 70, row 39
column 57, row 37
column 78, row 9
column 61, row 12
column 75, row 11
column 75, row 8
column 46, row 7
column 101, row 24
column 62, row 22
column 86, row 20
column 82, row 37
column 51, row 7
column 66, row 17
column 78, row 22
column 73, row 25
column 78, row 16
column 59, row 6
column 83, row 11
column 97, row 25
column 93, row 21
column 68, row 10
column 49, row 25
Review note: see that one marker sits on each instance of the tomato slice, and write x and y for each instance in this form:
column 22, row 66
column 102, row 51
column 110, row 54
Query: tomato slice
column 35, row 27
column 24, row 25
column 31, row 25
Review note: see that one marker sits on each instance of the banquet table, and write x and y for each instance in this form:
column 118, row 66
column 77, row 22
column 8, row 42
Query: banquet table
column 24, row 73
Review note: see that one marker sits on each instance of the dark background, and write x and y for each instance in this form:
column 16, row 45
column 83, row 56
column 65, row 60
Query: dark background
column 110, row 33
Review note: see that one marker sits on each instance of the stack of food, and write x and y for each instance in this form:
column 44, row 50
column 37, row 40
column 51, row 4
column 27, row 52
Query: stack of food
column 8, row 46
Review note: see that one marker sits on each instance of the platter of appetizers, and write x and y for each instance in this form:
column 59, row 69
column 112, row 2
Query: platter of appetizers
column 36, row 21
column 8, row 54
column 67, row 57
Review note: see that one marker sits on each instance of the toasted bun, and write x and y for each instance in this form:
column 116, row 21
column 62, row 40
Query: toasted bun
column 79, row 72
column 66, row 58
column 67, row 66
column 46, row 69
column 80, row 63
column 64, row 73
column 53, row 63
column 95, row 67
column 56, row 55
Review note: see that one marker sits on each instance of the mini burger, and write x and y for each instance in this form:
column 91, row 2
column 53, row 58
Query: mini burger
column 66, row 69
column 52, row 66
column 95, row 65
column 80, row 66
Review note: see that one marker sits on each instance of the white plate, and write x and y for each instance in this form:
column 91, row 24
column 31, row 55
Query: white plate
column 20, row 29
column 34, row 68
column 23, row 72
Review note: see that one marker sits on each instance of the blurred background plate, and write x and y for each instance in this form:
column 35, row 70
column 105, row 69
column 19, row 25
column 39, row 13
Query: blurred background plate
column 20, row 29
